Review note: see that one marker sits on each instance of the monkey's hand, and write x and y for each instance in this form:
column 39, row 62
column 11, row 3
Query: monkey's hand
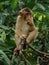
column 23, row 36
column 23, row 41
column 16, row 50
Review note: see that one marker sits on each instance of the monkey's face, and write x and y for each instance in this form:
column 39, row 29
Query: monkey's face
column 25, row 13
column 28, row 16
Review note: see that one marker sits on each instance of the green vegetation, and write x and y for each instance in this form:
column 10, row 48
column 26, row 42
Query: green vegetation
column 8, row 14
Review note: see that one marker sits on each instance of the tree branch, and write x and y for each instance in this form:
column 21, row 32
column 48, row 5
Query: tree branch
column 44, row 53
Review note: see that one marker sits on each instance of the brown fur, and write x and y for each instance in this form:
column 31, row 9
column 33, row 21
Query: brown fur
column 25, row 27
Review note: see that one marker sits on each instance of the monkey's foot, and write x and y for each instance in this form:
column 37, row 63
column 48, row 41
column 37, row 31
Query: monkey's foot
column 17, row 51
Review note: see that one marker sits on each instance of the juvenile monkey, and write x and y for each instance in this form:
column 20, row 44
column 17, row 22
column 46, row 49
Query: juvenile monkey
column 25, row 27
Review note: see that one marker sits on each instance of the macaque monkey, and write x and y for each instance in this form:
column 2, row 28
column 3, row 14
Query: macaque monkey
column 25, row 27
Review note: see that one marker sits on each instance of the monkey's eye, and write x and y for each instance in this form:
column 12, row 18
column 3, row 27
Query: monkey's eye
column 28, row 14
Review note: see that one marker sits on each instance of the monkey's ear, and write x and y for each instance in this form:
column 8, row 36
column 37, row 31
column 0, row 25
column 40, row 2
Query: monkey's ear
column 20, row 13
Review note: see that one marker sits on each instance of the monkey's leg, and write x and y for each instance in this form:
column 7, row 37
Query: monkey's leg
column 18, row 44
column 21, row 56
column 32, row 35
column 20, row 51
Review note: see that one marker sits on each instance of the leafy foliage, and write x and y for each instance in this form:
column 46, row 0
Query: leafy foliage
column 8, row 14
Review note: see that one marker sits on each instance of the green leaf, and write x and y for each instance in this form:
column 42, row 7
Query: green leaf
column 14, row 3
column 3, row 35
column 4, row 57
column 4, row 27
column 41, row 6
column 40, row 18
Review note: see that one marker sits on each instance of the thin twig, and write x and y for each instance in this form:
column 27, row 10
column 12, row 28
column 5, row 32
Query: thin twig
column 19, row 59
column 13, row 57
column 25, row 59
column 37, row 50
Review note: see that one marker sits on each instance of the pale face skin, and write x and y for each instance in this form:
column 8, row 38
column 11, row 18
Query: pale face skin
column 28, row 17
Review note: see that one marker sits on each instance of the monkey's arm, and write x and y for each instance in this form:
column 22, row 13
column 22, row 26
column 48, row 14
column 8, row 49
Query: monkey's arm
column 18, row 30
column 33, row 34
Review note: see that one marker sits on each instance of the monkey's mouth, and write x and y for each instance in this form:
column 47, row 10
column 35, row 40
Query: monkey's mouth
column 24, row 17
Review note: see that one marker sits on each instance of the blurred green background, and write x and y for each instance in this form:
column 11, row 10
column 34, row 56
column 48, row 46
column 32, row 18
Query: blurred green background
column 8, row 13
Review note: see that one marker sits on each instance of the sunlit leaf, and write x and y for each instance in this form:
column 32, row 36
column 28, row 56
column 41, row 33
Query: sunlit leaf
column 3, row 35
column 40, row 18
